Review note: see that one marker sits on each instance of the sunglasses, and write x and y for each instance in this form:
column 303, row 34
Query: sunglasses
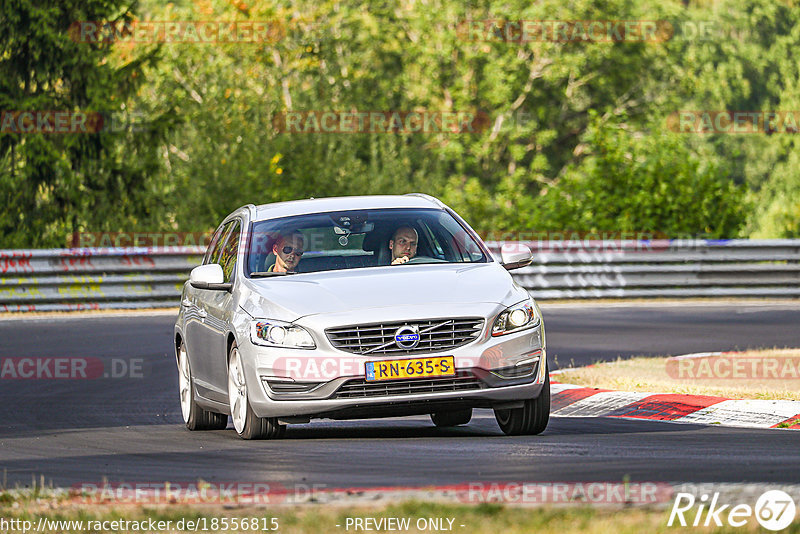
column 288, row 250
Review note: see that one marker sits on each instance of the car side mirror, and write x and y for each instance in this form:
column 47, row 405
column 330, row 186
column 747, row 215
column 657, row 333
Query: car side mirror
column 515, row 256
column 209, row 277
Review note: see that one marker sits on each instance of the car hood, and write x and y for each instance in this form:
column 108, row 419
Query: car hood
column 295, row 296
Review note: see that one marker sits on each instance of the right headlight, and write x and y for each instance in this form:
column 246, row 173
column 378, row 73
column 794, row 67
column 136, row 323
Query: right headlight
column 272, row 333
column 517, row 317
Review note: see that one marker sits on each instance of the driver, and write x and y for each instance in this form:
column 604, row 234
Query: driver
column 288, row 250
column 403, row 245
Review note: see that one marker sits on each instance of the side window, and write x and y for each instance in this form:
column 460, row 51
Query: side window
column 214, row 240
column 212, row 254
column 436, row 249
column 229, row 252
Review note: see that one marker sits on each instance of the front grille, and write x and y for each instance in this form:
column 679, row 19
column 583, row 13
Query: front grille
column 360, row 388
column 435, row 335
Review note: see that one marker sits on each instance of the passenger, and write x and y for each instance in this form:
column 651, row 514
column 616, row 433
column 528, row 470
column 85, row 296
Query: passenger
column 288, row 250
column 403, row 245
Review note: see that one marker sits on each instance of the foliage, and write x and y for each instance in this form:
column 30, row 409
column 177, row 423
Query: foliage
column 54, row 183
column 577, row 136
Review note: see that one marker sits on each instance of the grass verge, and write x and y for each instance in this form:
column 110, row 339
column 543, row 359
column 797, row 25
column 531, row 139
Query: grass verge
column 313, row 519
column 759, row 374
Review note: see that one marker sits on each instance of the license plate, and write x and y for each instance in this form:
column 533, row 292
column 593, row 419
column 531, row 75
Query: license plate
column 413, row 368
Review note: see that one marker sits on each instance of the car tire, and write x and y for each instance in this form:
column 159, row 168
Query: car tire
column 458, row 417
column 245, row 421
column 531, row 419
column 195, row 417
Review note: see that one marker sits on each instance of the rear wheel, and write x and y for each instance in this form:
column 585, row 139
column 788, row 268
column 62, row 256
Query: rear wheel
column 455, row 418
column 245, row 421
column 195, row 417
column 531, row 419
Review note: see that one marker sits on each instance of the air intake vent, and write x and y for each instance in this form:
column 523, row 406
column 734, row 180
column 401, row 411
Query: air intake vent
column 360, row 388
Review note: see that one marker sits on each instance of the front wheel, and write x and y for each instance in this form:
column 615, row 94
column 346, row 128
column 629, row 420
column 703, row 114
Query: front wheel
column 245, row 421
column 531, row 419
column 195, row 417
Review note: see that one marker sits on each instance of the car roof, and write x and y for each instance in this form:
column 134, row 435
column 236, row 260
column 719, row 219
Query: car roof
column 322, row 205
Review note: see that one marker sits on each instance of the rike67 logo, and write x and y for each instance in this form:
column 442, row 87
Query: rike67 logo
column 774, row 510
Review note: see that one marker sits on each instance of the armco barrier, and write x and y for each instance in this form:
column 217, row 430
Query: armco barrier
column 100, row 278
column 94, row 278
column 661, row 268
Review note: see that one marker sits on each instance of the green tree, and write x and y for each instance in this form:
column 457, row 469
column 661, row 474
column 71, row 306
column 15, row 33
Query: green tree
column 652, row 183
column 57, row 183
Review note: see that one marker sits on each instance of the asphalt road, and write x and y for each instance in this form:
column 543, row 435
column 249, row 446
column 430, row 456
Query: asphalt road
column 129, row 429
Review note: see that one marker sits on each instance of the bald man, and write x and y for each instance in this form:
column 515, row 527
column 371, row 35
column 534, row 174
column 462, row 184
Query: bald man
column 403, row 245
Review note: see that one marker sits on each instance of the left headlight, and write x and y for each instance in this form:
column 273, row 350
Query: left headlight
column 271, row 333
column 517, row 317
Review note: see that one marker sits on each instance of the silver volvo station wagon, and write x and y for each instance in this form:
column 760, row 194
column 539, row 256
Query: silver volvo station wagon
column 353, row 308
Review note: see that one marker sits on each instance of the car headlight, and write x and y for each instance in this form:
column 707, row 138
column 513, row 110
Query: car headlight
column 271, row 333
column 518, row 317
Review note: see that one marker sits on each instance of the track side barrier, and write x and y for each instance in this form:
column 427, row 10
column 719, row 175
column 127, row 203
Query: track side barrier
column 148, row 277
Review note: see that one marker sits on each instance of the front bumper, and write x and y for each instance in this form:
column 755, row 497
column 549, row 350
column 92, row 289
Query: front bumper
column 327, row 382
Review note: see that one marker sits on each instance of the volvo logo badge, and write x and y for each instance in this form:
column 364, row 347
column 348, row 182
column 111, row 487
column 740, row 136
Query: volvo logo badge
column 407, row 337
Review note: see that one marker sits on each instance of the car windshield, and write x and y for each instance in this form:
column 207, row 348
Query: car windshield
column 358, row 239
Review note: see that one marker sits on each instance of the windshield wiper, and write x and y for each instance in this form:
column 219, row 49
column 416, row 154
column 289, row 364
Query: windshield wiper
column 259, row 274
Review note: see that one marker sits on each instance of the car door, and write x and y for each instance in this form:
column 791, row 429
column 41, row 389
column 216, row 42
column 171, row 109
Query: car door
column 200, row 332
column 219, row 314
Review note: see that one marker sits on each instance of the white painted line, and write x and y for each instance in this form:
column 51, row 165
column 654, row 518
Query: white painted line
column 558, row 388
column 85, row 314
column 711, row 302
column 600, row 404
column 744, row 413
column 695, row 355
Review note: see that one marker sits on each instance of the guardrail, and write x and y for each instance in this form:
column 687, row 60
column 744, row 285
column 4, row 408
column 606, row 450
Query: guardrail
column 94, row 278
column 662, row 268
column 102, row 278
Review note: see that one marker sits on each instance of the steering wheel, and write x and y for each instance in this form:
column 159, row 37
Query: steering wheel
column 425, row 259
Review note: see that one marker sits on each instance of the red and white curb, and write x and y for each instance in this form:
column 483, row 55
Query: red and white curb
column 576, row 401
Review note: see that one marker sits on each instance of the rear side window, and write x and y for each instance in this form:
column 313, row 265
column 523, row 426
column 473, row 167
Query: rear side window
column 228, row 256
column 212, row 254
